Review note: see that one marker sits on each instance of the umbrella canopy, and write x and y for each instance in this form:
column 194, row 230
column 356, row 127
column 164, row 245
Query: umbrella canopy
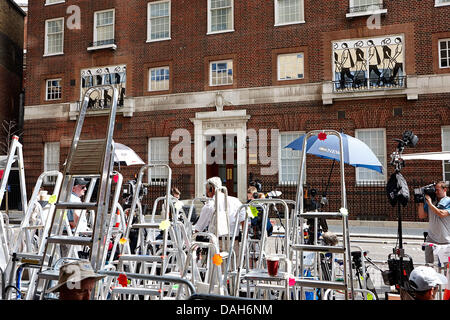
column 125, row 155
column 356, row 152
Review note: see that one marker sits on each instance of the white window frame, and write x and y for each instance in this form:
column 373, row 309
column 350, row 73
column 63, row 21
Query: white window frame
column 445, row 147
column 211, row 71
column 366, row 12
column 149, row 25
column 360, row 181
column 47, row 87
column 47, row 148
column 95, row 26
column 277, row 18
column 46, row 54
column 150, row 79
column 157, row 179
column 448, row 52
column 280, row 165
column 279, row 66
column 48, row 3
column 231, row 28
column 439, row 3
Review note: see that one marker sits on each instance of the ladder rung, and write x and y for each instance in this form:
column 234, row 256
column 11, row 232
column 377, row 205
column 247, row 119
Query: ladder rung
column 76, row 205
column 140, row 258
column 269, row 286
column 307, row 215
column 40, row 226
column 49, row 274
column 317, row 248
column 84, row 241
column 139, row 291
column 28, row 258
column 319, row 284
column 149, row 225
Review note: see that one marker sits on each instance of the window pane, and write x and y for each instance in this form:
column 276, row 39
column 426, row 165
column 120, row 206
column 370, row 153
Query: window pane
column 159, row 21
column 221, row 73
column 446, row 147
column 290, row 11
column 158, row 154
column 53, row 89
column 51, row 159
column 376, row 142
column 290, row 66
column 159, row 79
column 221, row 15
column 55, row 36
column 105, row 27
column 290, row 159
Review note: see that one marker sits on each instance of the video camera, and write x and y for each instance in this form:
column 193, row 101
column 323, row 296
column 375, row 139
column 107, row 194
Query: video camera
column 419, row 193
column 128, row 191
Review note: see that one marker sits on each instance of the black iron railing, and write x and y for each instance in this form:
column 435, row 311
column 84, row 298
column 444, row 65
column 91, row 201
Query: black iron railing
column 101, row 43
column 355, row 85
column 367, row 7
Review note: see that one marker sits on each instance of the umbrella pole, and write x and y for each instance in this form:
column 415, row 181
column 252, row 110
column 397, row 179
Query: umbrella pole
column 329, row 177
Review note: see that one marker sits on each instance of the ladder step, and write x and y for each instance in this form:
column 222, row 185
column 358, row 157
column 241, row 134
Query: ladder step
column 317, row 248
column 49, row 274
column 313, row 214
column 150, row 225
column 270, row 286
column 39, row 226
column 139, row 291
column 83, row 241
column 76, row 205
column 320, row 284
column 140, row 258
column 29, row 258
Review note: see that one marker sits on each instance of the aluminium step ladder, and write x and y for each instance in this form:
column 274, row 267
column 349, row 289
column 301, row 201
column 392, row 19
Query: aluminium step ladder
column 86, row 159
column 298, row 246
column 15, row 153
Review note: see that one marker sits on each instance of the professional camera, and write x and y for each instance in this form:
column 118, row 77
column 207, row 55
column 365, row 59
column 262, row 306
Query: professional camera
column 128, row 191
column 419, row 193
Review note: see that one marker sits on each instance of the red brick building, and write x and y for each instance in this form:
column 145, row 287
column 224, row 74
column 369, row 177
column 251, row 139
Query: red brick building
column 244, row 70
column 11, row 57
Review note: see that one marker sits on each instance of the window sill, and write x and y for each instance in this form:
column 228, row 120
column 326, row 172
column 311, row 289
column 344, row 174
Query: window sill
column 105, row 46
column 219, row 32
column 442, row 4
column 288, row 23
column 51, row 4
column 366, row 13
column 158, row 40
column 53, row 54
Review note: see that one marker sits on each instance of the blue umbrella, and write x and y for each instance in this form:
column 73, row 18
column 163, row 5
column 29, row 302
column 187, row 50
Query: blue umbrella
column 356, row 152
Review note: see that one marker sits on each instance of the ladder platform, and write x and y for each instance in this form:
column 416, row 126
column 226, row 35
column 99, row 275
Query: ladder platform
column 35, row 227
column 140, row 258
column 49, row 274
column 313, row 214
column 309, row 283
column 317, row 248
column 76, row 205
column 138, row 291
column 262, row 274
column 149, row 225
column 29, row 258
column 83, row 241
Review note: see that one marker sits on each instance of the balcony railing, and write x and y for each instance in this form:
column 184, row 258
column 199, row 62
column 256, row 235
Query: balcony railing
column 367, row 7
column 369, row 84
column 102, row 44
column 103, row 103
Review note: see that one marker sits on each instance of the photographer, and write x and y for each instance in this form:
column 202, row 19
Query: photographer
column 439, row 219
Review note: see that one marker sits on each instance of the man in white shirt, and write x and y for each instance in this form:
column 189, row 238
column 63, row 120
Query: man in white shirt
column 74, row 216
column 205, row 223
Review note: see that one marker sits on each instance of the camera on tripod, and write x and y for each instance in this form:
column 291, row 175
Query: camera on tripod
column 128, row 190
column 419, row 193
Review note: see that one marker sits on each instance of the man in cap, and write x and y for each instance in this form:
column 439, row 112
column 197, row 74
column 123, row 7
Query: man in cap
column 76, row 281
column 425, row 280
column 233, row 204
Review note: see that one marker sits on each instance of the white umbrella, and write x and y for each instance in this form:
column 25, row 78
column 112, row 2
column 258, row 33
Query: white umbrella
column 125, row 155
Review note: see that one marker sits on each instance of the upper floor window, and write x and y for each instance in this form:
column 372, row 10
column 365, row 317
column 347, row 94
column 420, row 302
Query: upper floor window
column 376, row 141
column 289, row 159
column 289, row 12
column 158, row 21
column 54, row 36
column 220, row 16
column 53, row 89
column 439, row 3
column 446, row 147
column 48, row 2
column 104, row 27
column 158, row 154
column 159, row 79
column 365, row 5
column 221, row 73
column 290, row 66
column 51, row 160
column 444, row 53
column 369, row 64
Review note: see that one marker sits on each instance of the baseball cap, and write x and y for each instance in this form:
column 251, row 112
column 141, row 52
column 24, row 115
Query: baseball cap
column 74, row 272
column 424, row 278
column 215, row 181
column 80, row 181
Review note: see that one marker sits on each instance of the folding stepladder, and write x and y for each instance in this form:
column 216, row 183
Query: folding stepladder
column 86, row 159
column 15, row 152
column 298, row 246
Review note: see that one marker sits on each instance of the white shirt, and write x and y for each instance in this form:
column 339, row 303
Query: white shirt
column 82, row 221
column 208, row 209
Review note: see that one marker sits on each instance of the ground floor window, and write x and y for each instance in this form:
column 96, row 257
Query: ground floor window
column 446, row 147
column 376, row 141
column 289, row 159
column 158, row 153
column 51, row 160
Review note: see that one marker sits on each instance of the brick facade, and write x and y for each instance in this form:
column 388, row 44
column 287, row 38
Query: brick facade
column 253, row 46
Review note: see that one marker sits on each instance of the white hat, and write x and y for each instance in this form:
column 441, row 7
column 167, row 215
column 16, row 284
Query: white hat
column 214, row 181
column 425, row 278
